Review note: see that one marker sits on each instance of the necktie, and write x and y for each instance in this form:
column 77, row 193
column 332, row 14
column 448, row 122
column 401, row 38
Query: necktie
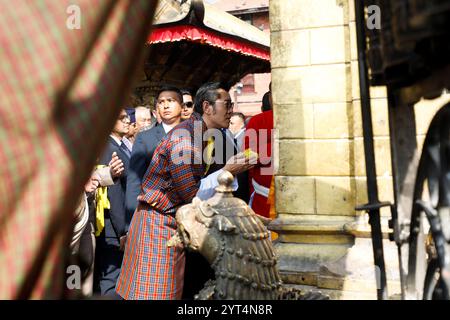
column 125, row 149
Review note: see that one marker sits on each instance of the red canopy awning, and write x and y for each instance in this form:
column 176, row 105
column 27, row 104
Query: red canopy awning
column 193, row 43
column 203, row 36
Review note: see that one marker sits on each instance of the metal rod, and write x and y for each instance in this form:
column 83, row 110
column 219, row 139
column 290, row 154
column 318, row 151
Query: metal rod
column 396, row 222
column 372, row 189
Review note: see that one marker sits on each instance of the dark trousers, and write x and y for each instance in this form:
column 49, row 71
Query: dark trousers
column 108, row 261
column 197, row 271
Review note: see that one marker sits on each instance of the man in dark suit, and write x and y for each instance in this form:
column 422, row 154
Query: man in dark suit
column 231, row 144
column 145, row 145
column 110, row 236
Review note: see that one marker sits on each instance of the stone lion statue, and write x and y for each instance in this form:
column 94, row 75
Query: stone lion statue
column 236, row 243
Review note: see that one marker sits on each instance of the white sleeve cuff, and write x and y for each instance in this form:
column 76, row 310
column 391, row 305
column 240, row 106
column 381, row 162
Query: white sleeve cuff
column 208, row 185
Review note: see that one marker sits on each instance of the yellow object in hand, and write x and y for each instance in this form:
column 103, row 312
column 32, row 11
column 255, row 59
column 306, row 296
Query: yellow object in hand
column 249, row 152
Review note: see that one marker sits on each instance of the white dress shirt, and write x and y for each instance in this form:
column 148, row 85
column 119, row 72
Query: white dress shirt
column 116, row 139
column 209, row 183
column 166, row 127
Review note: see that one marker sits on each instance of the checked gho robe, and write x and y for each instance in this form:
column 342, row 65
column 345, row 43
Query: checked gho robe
column 151, row 270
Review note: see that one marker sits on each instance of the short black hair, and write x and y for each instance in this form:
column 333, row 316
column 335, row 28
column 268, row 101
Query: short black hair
column 238, row 114
column 207, row 92
column 266, row 102
column 172, row 89
column 186, row 92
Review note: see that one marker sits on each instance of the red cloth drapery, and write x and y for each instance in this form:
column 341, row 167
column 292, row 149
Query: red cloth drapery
column 200, row 35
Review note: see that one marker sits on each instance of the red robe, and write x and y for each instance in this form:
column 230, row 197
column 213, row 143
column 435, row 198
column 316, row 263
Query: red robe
column 258, row 137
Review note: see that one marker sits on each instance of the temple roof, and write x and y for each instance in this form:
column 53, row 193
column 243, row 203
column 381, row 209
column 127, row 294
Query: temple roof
column 192, row 43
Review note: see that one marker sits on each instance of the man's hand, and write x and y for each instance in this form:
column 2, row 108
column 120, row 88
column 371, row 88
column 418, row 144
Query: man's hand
column 123, row 242
column 241, row 162
column 116, row 166
column 92, row 184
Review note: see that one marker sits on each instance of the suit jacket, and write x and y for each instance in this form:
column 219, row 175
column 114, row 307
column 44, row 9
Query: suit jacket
column 115, row 217
column 243, row 191
column 224, row 149
column 143, row 148
column 229, row 149
column 239, row 139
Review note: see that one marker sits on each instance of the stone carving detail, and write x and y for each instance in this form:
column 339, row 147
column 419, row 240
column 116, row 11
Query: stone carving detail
column 236, row 243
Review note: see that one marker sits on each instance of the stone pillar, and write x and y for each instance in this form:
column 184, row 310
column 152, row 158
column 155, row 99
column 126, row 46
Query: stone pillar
column 323, row 243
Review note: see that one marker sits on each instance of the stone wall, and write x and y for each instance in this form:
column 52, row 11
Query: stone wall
column 323, row 242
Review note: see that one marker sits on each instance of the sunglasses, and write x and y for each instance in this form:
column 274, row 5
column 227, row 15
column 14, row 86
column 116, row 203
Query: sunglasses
column 188, row 104
column 228, row 104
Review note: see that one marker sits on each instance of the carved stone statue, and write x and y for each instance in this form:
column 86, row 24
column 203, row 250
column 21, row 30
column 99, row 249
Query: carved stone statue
column 235, row 241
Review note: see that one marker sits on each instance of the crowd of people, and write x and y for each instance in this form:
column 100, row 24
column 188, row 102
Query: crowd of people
column 155, row 161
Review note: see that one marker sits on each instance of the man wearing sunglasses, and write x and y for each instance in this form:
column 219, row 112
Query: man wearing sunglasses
column 151, row 269
column 188, row 105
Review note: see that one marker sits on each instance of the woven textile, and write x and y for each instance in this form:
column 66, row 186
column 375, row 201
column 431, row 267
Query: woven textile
column 59, row 88
column 151, row 270
column 156, row 271
column 173, row 176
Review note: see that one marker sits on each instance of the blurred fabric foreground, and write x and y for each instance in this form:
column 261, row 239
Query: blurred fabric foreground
column 60, row 91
